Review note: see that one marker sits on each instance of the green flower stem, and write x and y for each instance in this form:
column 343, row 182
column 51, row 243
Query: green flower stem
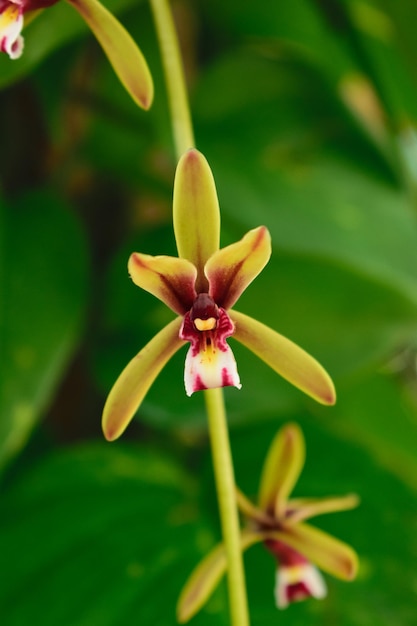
column 226, row 496
column 174, row 76
column 222, row 458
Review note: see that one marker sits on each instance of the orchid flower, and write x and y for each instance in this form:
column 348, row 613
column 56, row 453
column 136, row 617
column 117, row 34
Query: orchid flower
column 122, row 52
column 201, row 286
column 278, row 523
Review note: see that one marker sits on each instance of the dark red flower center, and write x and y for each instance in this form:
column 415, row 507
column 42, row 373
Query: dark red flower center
column 284, row 554
column 204, row 313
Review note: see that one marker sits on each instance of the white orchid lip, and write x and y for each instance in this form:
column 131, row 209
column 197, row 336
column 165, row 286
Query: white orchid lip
column 210, row 362
column 298, row 582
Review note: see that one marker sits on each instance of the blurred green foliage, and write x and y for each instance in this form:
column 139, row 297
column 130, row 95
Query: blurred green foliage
column 306, row 111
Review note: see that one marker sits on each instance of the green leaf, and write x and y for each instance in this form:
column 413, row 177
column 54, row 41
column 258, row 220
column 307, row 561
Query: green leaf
column 119, row 526
column 298, row 27
column 305, row 171
column 43, row 299
column 379, row 414
column 384, row 34
column 195, row 212
column 334, row 211
column 102, row 534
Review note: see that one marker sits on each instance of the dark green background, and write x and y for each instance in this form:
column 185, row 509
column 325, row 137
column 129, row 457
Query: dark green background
column 306, row 113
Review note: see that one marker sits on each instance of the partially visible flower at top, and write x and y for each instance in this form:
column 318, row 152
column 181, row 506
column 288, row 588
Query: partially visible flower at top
column 122, row 52
column 278, row 522
column 201, row 286
column 11, row 24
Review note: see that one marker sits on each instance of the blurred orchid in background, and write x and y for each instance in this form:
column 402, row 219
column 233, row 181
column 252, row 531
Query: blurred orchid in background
column 201, row 286
column 278, row 523
column 11, row 24
column 124, row 55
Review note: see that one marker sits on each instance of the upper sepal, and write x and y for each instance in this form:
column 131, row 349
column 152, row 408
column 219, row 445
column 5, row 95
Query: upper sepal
column 196, row 213
column 281, row 470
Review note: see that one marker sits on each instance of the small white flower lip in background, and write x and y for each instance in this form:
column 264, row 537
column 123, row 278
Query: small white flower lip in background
column 278, row 522
column 11, row 24
column 294, row 583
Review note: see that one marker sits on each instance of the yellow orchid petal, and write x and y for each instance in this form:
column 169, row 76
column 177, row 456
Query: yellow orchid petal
column 196, row 213
column 231, row 269
column 206, row 576
column 251, row 511
column 134, row 382
column 285, row 357
column 123, row 53
column 304, row 508
column 327, row 552
column 282, row 467
column 168, row 278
